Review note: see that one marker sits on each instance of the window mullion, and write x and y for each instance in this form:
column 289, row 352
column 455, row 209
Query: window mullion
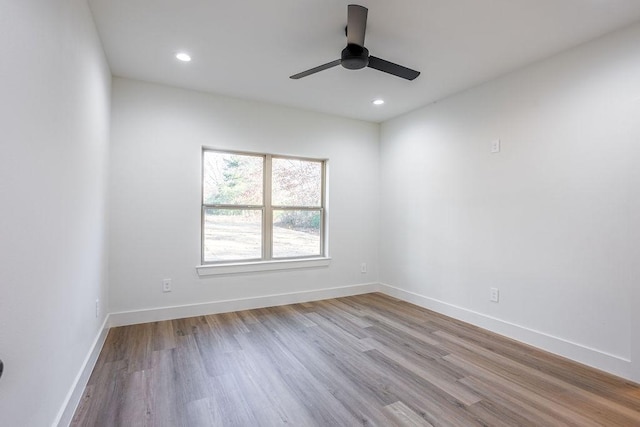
column 267, row 225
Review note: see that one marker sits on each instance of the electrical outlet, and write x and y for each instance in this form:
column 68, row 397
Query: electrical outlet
column 97, row 308
column 363, row 267
column 166, row 285
column 494, row 295
column 495, row 146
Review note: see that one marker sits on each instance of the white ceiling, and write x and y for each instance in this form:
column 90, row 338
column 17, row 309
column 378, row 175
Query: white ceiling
column 249, row 48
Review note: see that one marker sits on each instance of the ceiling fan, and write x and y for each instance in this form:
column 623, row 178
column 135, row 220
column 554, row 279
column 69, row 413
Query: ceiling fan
column 355, row 56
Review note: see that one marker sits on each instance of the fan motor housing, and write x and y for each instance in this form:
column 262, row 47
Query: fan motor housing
column 354, row 57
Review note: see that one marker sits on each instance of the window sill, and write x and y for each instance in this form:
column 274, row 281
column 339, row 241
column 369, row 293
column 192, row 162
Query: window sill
column 259, row 266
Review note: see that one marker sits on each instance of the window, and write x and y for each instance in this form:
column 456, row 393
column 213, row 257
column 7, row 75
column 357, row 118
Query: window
column 261, row 207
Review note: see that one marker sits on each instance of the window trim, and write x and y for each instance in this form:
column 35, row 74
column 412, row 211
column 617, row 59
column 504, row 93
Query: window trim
column 267, row 262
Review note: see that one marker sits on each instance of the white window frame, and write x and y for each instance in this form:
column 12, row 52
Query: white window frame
column 267, row 262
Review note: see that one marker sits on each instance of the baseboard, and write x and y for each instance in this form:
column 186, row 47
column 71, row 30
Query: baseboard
column 598, row 359
column 226, row 306
column 74, row 396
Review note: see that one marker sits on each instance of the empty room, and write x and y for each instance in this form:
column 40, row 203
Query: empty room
column 320, row 213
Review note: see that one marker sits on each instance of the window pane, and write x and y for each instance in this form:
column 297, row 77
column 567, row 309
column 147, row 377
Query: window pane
column 232, row 234
column 296, row 182
column 296, row 233
column 232, row 179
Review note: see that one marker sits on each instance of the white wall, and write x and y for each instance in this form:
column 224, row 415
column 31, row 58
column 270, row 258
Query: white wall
column 54, row 128
column 553, row 220
column 157, row 136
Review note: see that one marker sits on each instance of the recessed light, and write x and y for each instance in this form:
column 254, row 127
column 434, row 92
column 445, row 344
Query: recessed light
column 184, row 57
column 378, row 101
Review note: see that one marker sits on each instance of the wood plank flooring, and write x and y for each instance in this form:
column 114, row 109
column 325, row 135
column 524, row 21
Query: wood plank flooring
column 364, row 360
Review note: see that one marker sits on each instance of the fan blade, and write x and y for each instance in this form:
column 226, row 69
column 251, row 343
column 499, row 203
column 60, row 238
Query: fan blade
column 316, row 69
column 391, row 68
column 356, row 24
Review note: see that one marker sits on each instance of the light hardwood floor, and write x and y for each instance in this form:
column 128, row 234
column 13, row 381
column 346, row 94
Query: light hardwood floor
column 362, row 360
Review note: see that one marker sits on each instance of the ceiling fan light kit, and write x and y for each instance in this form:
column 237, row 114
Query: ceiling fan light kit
column 355, row 56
